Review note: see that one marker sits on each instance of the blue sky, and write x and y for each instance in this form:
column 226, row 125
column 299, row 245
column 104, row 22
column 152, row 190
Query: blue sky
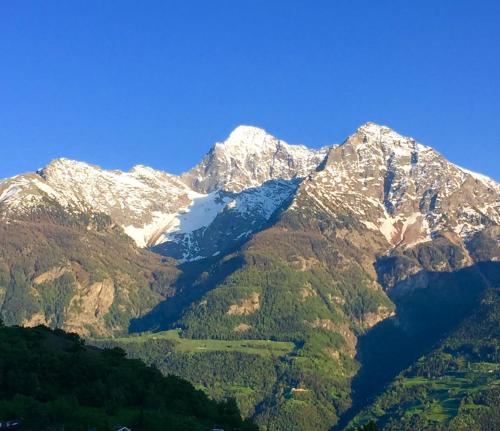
column 118, row 83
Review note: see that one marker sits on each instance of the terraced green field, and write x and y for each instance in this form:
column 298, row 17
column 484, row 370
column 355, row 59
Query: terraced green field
column 437, row 400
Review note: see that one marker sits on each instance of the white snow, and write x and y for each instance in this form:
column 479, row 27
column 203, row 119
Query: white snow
column 200, row 213
column 248, row 158
column 387, row 229
column 259, row 172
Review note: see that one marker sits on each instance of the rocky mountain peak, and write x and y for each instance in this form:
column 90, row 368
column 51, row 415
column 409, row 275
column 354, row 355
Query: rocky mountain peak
column 376, row 148
column 63, row 166
column 401, row 188
column 248, row 158
column 386, row 139
column 250, row 138
column 371, row 127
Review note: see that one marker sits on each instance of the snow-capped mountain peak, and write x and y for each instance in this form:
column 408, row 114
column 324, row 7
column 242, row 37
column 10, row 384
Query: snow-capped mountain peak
column 376, row 135
column 62, row 165
column 401, row 188
column 248, row 137
column 248, row 158
column 388, row 182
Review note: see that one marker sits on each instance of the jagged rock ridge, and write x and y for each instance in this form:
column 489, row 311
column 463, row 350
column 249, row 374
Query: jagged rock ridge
column 392, row 184
column 402, row 189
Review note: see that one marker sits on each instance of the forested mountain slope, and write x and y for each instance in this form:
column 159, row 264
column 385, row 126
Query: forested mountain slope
column 80, row 273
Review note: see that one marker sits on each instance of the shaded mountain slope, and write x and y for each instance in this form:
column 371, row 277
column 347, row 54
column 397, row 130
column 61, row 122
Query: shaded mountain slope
column 453, row 387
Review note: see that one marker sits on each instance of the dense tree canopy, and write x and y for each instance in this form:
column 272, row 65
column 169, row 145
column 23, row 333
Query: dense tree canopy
column 50, row 379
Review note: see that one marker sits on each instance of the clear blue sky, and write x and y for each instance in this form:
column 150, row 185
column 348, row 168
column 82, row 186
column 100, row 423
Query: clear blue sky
column 119, row 83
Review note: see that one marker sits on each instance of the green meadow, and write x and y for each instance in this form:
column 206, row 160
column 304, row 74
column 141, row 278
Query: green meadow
column 265, row 348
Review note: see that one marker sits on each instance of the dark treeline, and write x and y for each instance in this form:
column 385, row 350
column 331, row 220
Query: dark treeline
column 50, row 380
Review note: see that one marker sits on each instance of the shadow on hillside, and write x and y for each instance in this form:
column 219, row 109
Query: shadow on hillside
column 199, row 277
column 216, row 228
column 424, row 316
column 196, row 279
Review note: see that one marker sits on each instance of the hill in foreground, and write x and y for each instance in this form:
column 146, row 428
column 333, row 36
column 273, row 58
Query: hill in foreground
column 51, row 380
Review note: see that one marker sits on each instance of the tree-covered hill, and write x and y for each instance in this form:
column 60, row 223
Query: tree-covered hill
column 51, row 380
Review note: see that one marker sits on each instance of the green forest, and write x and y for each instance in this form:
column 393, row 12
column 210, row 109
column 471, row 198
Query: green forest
column 50, row 380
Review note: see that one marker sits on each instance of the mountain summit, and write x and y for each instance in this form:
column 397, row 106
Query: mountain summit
column 403, row 189
column 248, row 158
column 390, row 182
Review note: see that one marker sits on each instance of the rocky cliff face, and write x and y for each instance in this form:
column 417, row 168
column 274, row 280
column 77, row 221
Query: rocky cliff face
column 249, row 158
column 405, row 191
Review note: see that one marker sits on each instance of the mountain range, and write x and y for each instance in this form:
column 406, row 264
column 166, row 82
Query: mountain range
column 324, row 254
